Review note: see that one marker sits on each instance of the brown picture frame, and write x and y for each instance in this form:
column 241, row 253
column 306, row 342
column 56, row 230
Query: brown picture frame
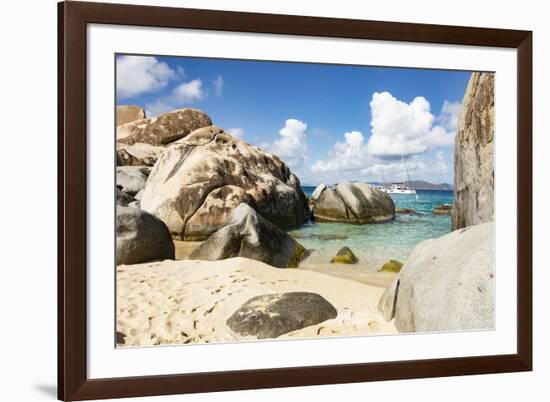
column 73, row 383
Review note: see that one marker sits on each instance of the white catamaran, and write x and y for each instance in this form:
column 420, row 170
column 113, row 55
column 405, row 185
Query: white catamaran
column 399, row 187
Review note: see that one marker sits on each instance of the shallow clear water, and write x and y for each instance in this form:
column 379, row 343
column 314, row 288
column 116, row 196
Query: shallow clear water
column 376, row 243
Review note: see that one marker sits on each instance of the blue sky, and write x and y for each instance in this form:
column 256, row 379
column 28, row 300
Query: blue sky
column 328, row 122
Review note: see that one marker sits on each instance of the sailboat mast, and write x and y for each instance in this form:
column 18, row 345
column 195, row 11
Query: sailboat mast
column 407, row 172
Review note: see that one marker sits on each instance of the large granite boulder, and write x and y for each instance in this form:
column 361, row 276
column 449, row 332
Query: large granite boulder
column 215, row 211
column 247, row 234
column 447, row 284
column 137, row 154
column 272, row 315
column 317, row 192
column 128, row 113
column 131, row 179
column 189, row 175
column 474, row 154
column 140, row 237
column 353, row 203
column 163, row 129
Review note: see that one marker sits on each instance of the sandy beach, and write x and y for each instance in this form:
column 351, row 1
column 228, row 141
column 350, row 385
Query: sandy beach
column 181, row 302
column 365, row 271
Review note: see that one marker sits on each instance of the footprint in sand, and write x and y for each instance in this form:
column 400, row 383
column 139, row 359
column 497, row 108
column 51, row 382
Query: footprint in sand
column 209, row 311
column 374, row 325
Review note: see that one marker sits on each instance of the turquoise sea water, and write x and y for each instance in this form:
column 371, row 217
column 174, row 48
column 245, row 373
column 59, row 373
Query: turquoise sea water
column 376, row 243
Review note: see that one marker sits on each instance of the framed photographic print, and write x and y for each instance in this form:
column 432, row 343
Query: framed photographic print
column 253, row 200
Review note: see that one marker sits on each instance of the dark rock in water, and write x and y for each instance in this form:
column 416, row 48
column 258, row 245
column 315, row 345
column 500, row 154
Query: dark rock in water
column 447, row 284
column 405, row 211
column 122, row 198
column 247, row 234
column 141, row 237
column 344, row 256
column 270, row 316
column 443, row 210
column 391, row 266
column 317, row 236
column 163, row 129
column 198, row 180
column 353, row 203
column 474, row 154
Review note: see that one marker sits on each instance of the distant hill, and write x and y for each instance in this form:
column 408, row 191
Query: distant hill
column 417, row 185
column 424, row 185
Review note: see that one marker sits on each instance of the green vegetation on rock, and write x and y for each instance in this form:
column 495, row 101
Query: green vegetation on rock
column 443, row 209
column 391, row 266
column 344, row 256
column 299, row 254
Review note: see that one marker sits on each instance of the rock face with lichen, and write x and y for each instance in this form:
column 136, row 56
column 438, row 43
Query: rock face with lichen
column 198, row 181
column 446, row 284
column 353, row 203
column 474, row 150
column 246, row 234
column 128, row 113
column 163, row 129
column 137, row 154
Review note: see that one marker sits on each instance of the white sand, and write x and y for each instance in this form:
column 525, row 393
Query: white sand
column 177, row 302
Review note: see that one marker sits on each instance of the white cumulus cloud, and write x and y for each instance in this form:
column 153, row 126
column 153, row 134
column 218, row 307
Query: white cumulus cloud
column 400, row 128
column 188, row 92
column 450, row 113
column 436, row 168
column 345, row 156
column 140, row 74
column 181, row 96
column 218, row 85
column 236, row 132
column 291, row 147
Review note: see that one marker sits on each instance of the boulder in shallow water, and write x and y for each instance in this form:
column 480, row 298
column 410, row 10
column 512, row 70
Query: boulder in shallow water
column 141, row 237
column 163, row 129
column 391, row 266
column 447, row 284
column 247, row 234
column 442, row 209
column 353, row 203
column 272, row 315
column 344, row 256
column 190, row 175
column 317, row 192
